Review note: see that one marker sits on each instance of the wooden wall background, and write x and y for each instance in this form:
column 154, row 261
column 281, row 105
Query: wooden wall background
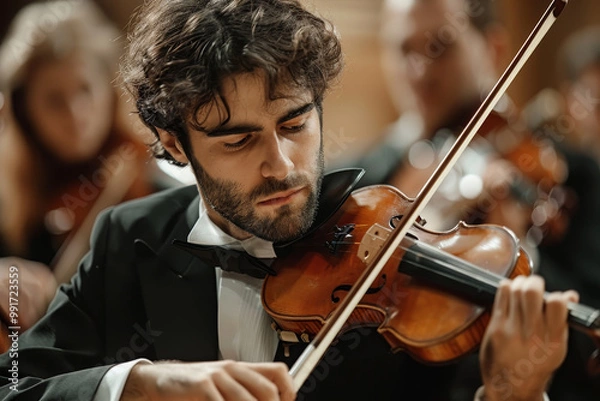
column 359, row 109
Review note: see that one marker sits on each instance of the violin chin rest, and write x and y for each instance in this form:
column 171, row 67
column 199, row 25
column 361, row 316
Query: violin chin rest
column 336, row 187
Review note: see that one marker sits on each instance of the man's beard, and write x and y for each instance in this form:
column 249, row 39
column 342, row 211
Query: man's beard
column 227, row 199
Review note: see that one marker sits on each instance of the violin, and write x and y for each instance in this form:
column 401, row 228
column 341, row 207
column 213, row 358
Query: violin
column 454, row 274
column 506, row 163
column 82, row 202
column 542, row 174
column 380, row 242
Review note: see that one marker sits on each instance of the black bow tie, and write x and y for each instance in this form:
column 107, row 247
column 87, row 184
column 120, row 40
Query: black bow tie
column 227, row 259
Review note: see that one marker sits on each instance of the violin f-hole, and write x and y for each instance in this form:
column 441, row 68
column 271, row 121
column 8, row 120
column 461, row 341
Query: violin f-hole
column 346, row 287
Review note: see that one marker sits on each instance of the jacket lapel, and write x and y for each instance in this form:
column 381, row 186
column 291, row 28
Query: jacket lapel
column 179, row 293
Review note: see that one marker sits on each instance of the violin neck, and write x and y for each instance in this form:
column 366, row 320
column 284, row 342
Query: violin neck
column 457, row 276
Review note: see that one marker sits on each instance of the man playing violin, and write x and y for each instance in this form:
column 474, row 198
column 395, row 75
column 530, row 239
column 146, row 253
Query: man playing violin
column 235, row 89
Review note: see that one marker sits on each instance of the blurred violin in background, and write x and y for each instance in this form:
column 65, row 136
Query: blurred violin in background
column 541, row 174
column 506, row 176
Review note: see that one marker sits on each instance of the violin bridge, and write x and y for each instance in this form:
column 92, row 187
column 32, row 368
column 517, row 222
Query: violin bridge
column 372, row 242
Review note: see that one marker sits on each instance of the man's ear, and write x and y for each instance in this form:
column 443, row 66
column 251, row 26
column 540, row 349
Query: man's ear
column 172, row 145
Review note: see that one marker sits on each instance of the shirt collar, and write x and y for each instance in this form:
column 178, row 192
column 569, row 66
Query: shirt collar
column 205, row 232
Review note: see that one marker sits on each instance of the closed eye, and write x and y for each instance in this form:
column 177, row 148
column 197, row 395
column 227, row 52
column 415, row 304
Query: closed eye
column 294, row 128
column 237, row 144
column 295, row 124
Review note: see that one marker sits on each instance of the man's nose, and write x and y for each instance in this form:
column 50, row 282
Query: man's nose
column 276, row 160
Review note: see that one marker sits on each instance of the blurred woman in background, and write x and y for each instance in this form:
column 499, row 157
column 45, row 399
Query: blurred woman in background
column 67, row 149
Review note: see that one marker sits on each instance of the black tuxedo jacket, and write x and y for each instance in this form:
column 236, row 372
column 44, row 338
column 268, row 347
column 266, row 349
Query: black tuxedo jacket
column 138, row 296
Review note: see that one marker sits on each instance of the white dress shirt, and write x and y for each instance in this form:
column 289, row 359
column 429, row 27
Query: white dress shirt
column 245, row 332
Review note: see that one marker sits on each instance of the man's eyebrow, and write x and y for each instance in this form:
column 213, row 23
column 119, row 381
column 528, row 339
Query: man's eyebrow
column 297, row 112
column 235, row 130
column 244, row 128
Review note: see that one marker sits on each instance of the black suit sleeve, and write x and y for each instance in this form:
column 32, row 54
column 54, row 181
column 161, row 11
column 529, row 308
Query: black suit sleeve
column 61, row 357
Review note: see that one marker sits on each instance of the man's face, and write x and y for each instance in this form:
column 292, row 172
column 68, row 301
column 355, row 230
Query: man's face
column 432, row 47
column 260, row 172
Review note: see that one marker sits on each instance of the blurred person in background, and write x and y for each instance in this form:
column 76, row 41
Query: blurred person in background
column 570, row 117
column 580, row 65
column 67, row 148
column 441, row 58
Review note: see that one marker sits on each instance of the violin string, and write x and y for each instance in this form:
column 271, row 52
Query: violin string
column 477, row 272
column 481, row 276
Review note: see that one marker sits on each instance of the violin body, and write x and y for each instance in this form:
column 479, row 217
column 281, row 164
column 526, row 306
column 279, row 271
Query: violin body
column 426, row 321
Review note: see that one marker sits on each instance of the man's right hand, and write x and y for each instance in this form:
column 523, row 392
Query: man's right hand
column 209, row 381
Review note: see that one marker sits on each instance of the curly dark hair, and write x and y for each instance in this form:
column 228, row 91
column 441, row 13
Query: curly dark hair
column 181, row 50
